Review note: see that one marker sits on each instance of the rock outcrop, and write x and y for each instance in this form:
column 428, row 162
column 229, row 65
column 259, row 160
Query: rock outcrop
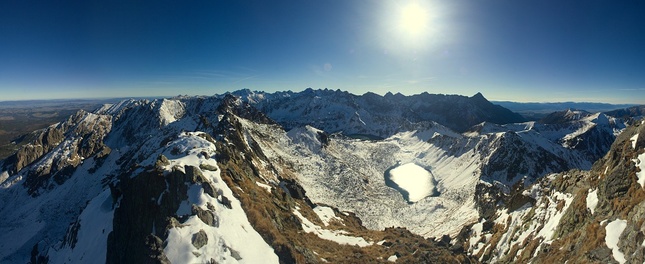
column 572, row 217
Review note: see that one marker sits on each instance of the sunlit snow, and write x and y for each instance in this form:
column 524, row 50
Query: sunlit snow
column 613, row 231
column 264, row 186
column 640, row 163
column 592, row 200
column 337, row 236
column 325, row 214
column 233, row 239
column 634, row 140
column 413, row 181
column 349, row 174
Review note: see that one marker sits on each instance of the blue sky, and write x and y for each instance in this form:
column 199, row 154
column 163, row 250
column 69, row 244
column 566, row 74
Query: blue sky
column 509, row 50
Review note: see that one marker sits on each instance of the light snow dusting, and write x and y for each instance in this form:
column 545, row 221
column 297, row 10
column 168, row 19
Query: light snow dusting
column 613, row 231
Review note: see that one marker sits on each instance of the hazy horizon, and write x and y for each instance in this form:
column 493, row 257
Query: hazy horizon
column 521, row 51
column 381, row 94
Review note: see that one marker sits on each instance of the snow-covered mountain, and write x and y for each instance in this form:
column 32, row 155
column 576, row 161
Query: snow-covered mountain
column 175, row 181
column 372, row 114
column 285, row 177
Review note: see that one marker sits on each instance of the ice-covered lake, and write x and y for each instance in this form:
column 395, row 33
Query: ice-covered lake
column 413, row 181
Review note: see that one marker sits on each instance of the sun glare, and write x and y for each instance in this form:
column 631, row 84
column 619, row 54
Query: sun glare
column 414, row 19
column 412, row 25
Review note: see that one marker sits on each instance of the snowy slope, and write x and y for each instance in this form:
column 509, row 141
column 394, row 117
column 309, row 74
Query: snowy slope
column 350, row 173
column 69, row 221
column 233, row 240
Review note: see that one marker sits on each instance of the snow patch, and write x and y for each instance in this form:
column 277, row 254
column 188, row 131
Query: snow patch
column 326, row 214
column 392, row 258
column 640, row 164
column 170, row 111
column 413, row 181
column 264, row 186
column 613, row 231
column 331, row 235
column 475, row 235
column 634, row 140
column 306, row 136
column 549, row 227
column 592, row 200
column 543, row 222
column 4, row 176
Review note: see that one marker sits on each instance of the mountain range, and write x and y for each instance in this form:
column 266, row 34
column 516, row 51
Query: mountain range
column 325, row 176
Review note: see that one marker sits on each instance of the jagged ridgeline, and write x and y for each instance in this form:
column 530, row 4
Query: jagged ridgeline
column 253, row 177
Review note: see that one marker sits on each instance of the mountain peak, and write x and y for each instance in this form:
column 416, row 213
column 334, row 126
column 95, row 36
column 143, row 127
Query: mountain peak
column 479, row 96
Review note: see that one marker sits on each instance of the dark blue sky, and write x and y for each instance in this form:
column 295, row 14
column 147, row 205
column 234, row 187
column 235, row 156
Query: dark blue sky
column 507, row 49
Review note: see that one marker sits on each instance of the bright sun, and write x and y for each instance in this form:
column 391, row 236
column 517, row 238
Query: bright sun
column 412, row 26
column 413, row 20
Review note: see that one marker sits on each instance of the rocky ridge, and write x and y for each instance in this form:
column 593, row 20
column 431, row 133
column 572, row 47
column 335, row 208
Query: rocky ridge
column 593, row 216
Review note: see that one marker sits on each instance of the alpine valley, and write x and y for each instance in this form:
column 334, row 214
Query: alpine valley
column 326, row 176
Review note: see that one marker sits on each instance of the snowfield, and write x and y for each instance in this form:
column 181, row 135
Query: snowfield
column 350, row 174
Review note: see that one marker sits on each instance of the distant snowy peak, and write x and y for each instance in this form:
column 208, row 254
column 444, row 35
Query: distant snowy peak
column 564, row 116
column 383, row 116
column 635, row 113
